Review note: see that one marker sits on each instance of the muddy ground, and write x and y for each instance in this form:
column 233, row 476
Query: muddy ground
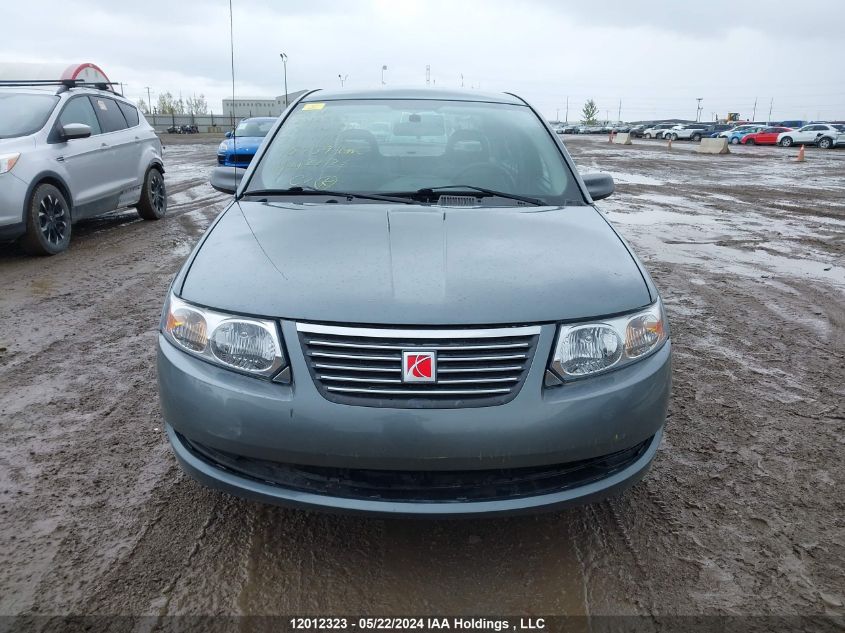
column 743, row 511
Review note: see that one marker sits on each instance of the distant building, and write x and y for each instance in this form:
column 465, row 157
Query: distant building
column 242, row 107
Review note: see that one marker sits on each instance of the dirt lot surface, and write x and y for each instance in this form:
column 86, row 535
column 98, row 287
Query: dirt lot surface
column 743, row 511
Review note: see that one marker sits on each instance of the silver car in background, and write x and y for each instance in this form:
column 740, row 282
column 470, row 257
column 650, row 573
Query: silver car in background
column 69, row 152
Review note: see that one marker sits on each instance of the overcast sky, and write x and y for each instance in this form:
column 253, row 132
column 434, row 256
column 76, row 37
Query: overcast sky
column 656, row 56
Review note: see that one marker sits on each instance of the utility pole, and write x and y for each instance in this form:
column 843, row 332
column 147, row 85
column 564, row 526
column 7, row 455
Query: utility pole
column 771, row 103
column 342, row 79
column 619, row 116
column 427, row 75
column 567, row 109
column 698, row 108
column 149, row 100
column 383, row 68
column 754, row 114
column 462, row 80
column 285, row 63
column 557, row 117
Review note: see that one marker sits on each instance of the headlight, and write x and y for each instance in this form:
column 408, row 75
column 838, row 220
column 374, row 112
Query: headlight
column 244, row 344
column 583, row 349
column 222, row 148
column 7, row 161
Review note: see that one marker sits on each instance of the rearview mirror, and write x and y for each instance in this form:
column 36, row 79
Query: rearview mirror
column 227, row 179
column 75, row 130
column 599, row 185
column 229, row 134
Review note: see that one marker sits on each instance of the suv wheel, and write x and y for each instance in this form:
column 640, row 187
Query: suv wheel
column 696, row 138
column 648, row 135
column 153, row 202
column 825, row 142
column 47, row 222
column 786, row 141
column 734, row 140
column 674, row 136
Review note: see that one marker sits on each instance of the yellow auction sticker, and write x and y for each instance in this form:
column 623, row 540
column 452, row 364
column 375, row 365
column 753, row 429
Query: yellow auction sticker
column 314, row 106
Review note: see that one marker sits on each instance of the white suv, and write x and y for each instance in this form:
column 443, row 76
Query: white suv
column 657, row 131
column 825, row 135
column 70, row 151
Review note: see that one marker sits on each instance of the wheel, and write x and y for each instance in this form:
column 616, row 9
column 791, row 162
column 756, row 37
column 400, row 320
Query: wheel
column 153, row 202
column 750, row 141
column 734, row 141
column 825, row 142
column 696, row 138
column 47, row 222
column 648, row 135
column 786, row 141
column 674, row 136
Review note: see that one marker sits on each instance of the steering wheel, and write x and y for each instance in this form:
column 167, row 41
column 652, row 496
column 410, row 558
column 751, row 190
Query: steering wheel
column 487, row 175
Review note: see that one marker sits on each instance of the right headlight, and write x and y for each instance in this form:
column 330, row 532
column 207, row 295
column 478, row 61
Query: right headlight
column 245, row 344
column 584, row 349
column 7, row 161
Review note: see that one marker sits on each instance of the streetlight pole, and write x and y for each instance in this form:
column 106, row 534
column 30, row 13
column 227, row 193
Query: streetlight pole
column 342, row 79
column 149, row 100
column 567, row 109
column 285, row 63
column 698, row 108
column 383, row 68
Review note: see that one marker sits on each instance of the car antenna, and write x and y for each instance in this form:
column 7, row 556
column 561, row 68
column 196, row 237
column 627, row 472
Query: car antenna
column 232, row 119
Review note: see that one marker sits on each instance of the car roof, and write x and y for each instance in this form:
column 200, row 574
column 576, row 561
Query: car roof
column 414, row 93
column 58, row 92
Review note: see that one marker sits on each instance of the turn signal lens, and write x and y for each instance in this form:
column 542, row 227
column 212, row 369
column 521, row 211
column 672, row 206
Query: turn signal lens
column 591, row 348
column 188, row 328
column 244, row 345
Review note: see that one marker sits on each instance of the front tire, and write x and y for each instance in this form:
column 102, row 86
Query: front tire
column 674, row 137
column 648, row 136
column 786, row 141
column 734, row 141
column 48, row 224
column 696, row 138
column 750, row 141
column 153, row 203
column 825, row 143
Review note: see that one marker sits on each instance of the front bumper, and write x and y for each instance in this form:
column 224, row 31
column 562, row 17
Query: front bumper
column 235, row 160
column 294, row 424
column 13, row 192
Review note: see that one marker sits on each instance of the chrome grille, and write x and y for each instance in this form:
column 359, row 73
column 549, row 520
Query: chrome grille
column 363, row 366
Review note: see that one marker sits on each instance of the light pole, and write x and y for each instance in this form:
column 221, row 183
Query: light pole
column 285, row 63
column 149, row 100
column 383, row 68
column 342, row 79
column 698, row 108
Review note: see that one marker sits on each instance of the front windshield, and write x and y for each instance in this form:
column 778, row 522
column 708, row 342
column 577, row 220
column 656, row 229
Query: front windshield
column 392, row 146
column 23, row 114
column 254, row 127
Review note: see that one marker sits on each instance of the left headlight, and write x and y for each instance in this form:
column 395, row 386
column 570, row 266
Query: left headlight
column 244, row 344
column 584, row 349
column 221, row 149
column 7, row 161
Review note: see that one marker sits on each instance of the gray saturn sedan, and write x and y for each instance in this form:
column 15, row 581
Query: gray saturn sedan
column 413, row 306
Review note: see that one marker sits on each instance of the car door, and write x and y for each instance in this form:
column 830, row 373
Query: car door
column 122, row 147
column 768, row 135
column 806, row 134
column 82, row 158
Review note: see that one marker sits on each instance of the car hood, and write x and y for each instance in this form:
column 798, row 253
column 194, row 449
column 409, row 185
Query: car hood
column 403, row 264
column 17, row 144
column 246, row 144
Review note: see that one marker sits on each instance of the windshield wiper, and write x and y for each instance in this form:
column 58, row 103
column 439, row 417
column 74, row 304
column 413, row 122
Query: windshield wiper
column 299, row 191
column 428, row 193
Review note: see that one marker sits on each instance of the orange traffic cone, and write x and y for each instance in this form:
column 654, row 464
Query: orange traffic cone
column 801, row 154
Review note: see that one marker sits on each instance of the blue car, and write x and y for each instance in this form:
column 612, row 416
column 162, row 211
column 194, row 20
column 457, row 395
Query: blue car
column 239, row 148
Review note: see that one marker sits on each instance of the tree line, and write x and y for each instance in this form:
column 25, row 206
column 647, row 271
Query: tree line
column 167, row 104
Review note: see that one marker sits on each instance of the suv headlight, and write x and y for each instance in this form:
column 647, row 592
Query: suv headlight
column 7, row 161
column 584, row 349
column 221, row 149
column 244, row 344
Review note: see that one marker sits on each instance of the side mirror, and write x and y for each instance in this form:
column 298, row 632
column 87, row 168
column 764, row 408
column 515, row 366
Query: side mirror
column 599, row 185
column 229, row 134
column 227, row 179
column 75, row 130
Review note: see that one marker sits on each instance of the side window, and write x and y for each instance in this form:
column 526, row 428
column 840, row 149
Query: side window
column 111, row 118
column 79, row 110
column 130, row 112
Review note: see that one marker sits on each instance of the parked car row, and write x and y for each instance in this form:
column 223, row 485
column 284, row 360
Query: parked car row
column 824, row 135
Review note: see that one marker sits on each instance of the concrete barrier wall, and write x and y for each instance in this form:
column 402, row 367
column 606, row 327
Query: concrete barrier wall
column 622, row 138
column 215, row 123
column 713, row 146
